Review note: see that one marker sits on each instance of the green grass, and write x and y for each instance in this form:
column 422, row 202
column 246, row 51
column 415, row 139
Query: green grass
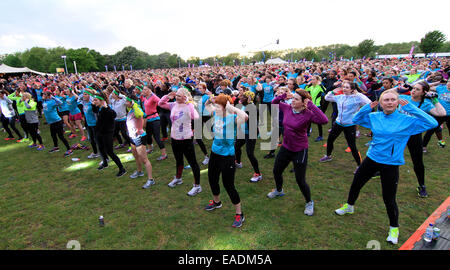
column 47, row 200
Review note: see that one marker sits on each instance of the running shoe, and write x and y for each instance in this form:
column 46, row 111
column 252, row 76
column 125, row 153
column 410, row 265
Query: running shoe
column 9, row 138
column 72, row 136
column 149, row 151
column 149, row 183
column 164, row 139
column 256, row 178
column 68, row 153
column 102, row 166
column 32, row 145
column 195, row 190
column 161, row 158
column 92, row 156
column 40, row 148
column 393, row 235
column 270, row 155
column 121, row 173
column 175, row 182
column 275, row 193
column 318, row 139
column 20, row 140
column 129, row 150
column 205, row 161
column 358, row 134
column 326, row 159
column 325, row 145
column 136, row 174
column 213, row 205
column 348, row 150
column 422, row 192
column 68, row 131
column 346, row 209
column 441, row 143
column 424, row 149
column 83, row 138
column 119, row 146
column 187, row 167
column 239, row 165
column 25, row 140
column 54, row 149
column 238, row 220
column 309, row 208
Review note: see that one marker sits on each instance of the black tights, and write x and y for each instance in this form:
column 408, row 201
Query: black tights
column 186, row 148
column 57, row 131
column 153, row 130
column 105, row 146
column 300, row 160
column 416, row 152
column 389, row 181
column 350, row 137
column 224, row 165
column 33, row 128
column 250, row 148
column 10, row 121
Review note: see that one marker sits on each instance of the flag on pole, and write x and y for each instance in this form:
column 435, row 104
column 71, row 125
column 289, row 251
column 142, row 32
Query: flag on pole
column 131, row 67
column 106, row 67
column 411, row 51
column 123, row 68
column 115, row 70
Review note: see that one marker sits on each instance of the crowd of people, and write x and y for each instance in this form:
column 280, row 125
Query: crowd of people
column 395, row 99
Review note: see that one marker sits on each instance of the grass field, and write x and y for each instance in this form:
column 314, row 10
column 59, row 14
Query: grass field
column 47, row 200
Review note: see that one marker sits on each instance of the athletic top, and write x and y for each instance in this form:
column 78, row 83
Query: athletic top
column 444, row 97
column 30, row 112
column 20, row 105
column 150, row 107
column 50, row 110
column 119, row 107
column 347, row 106
column 181, row 116
column 296, row 124
column 316, row 93
column 426, row 105
column 391, row 132
column 135, row 121
column 6, row 107
column 72, row 104
column 268, row 91
column 63, row 107
column 224, row 129
column 90, row 116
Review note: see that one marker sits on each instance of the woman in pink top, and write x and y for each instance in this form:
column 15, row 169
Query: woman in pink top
column 150, row 102
column 182, row 112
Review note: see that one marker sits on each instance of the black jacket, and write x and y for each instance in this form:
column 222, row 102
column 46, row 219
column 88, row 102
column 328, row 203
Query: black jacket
column 105, row 119
column 328, row 83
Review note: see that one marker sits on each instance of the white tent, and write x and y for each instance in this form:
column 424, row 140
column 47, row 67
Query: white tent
column 4, row 69
column 275, row 61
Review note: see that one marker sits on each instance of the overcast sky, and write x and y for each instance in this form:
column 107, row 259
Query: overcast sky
column 208, row 28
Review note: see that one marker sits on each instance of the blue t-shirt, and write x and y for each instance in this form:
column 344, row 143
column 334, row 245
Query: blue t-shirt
column 292, row 75
column 63, row 107
column 50, row 112
column 224, row 130
column 444, row 97
column 205, row 112
column 39, row 94
column 426, row 106
column 72, row 105
column 268, row 92
column 91, row 119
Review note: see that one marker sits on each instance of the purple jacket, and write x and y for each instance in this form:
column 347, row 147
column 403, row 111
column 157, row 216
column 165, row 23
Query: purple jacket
column 296, row 124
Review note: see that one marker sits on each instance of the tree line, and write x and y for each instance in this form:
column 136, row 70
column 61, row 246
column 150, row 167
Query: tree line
column 87, row 60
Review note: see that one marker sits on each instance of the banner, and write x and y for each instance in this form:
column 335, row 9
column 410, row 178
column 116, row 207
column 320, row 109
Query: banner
column 106, row 67
column 411, row 51
column 59, row 70
column 115, row 70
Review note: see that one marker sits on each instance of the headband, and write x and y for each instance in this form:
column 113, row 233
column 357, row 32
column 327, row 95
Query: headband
column 99, row 97
column 139, row 88
column 115, row 92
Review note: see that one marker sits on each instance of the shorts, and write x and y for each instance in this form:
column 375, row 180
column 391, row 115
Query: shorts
column 61, row 114
column 75, row 117
column 140, row 140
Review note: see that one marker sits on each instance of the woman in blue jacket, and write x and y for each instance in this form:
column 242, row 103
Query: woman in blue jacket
column 391, row 131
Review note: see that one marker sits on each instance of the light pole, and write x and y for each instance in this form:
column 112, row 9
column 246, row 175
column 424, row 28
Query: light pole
column 65, row 64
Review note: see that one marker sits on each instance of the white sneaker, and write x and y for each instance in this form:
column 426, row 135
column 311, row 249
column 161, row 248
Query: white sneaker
column 275, row 193
column 205, row 161
column 148, row 184
column 195, row 190
column 175, row 182
column 346, row 209
column 393, row 235
column 136, row 174
column 358, row 134
column 309, row 208
column 92, row 155
column 256, row 178
column 239, row 165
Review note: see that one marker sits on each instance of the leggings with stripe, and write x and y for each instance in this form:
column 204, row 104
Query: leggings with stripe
column 300, row 160
column 186, row 148
column 350, row 137
column 389, row 175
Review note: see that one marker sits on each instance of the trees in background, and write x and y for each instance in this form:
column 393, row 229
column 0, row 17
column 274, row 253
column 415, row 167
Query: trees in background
column 88, row 60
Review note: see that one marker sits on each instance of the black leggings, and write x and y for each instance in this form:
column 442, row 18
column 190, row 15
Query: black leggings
column 350, row 137
column 389, row 181
column 300, row 160
column 121, row 126
column 39, row 108
column 24, row 124
column 33, row 128
column 200, row 141
column 153, row 129
column 186, row 148
column 165, row 122
column 10, row 121
column 440, row 120
column 57, row 130
column 226, row 166
column 416, row 152
column 250, row 148
column 105, row 146
column 92, row 138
